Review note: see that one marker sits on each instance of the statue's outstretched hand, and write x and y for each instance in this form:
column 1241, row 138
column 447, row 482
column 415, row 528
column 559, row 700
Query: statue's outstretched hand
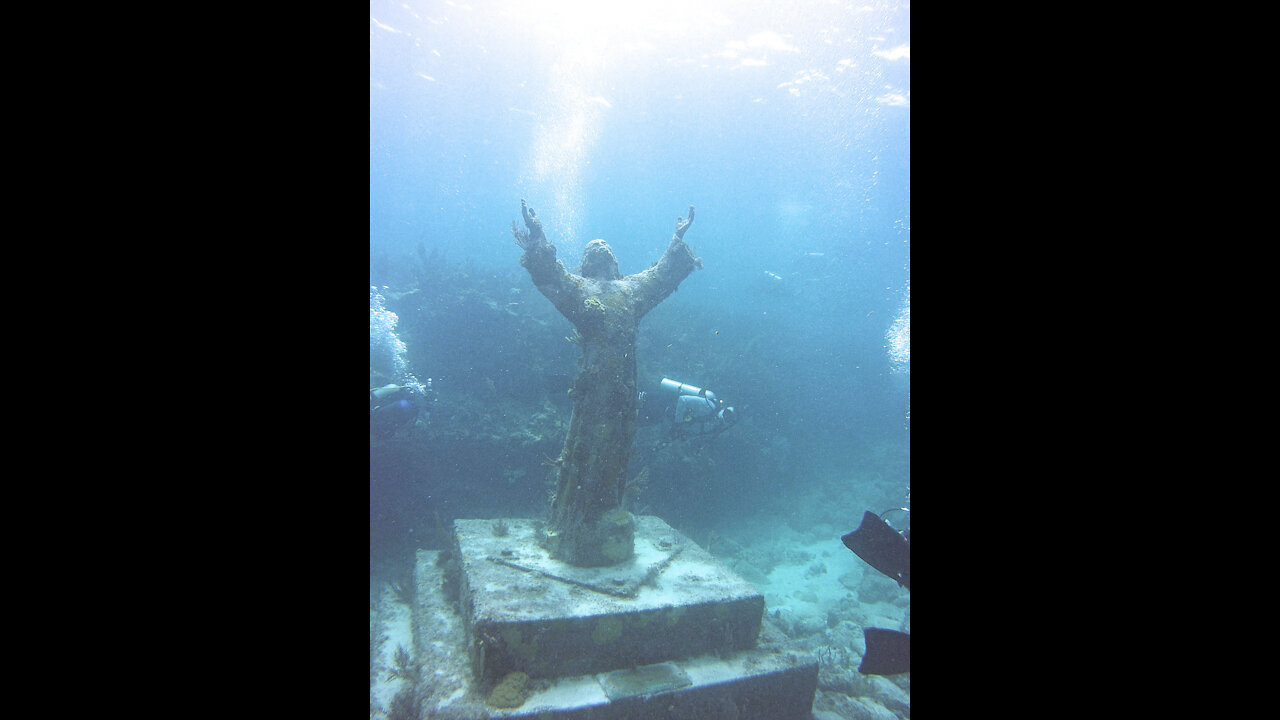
column 531, row 220
column 682, row 224
column 529, row 239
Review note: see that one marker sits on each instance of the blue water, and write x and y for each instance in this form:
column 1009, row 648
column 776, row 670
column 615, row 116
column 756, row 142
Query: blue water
column 787, row 125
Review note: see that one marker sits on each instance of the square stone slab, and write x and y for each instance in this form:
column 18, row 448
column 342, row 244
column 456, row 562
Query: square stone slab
column 526, row 611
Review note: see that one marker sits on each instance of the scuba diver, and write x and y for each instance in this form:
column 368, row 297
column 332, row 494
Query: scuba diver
column 392, row 407
column 889, row 551
column 695, row 412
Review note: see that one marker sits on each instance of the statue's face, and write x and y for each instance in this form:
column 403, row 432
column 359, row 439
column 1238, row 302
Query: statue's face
column 598, row 262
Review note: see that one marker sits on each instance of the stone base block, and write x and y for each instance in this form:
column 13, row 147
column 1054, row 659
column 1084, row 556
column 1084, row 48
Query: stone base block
column 525, row 611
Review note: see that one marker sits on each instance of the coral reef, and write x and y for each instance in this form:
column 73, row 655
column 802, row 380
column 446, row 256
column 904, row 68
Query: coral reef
column 376, row 637
column 510, row 693
column 405, row 668
column 402, row 589
column 406, row 705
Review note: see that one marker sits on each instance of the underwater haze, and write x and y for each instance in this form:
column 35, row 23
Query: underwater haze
column 787, row 126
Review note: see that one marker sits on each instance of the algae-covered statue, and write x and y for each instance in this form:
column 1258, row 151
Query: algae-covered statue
column 588, row 526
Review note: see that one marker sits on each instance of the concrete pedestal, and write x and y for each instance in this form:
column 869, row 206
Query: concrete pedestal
column 525, row 611
column 672, row 633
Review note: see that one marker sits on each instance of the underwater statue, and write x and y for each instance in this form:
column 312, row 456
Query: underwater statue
column 588, row 526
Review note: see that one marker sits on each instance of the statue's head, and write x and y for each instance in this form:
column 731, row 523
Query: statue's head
column 598, row 262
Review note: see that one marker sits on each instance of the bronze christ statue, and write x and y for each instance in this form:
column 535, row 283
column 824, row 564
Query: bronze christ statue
column 588, row 526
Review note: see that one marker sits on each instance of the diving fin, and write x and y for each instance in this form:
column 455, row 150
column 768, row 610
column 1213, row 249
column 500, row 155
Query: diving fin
column 888, row 652
column 881, row 547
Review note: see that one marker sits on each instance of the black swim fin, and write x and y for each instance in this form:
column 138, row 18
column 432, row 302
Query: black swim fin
column 888, row 652
column 882, row 547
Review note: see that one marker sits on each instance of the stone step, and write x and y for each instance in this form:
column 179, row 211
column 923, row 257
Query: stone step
column 756, row 684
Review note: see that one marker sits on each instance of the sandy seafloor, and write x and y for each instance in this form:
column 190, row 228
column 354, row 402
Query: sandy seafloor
column 816, row 591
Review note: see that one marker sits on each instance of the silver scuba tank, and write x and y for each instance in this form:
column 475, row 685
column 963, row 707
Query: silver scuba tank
column 682, row 389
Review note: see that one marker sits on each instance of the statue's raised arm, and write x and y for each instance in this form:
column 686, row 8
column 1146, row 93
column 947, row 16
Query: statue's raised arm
column 561, row 287
column 654, row 285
